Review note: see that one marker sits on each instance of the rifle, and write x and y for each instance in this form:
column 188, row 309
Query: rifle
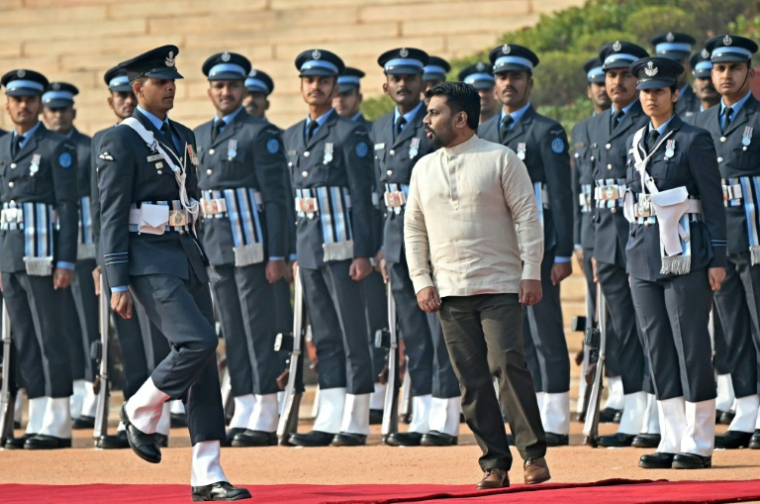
column 8, row 394
column 388, row 339
column 598, row 344
column 292, row 343
column 99, row 353
column 586, row 325
column 405, row 413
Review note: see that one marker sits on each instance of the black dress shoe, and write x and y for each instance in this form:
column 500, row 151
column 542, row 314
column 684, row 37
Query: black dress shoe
column 221, row 491
column 231, row 433
column 754, row 443
column 718, row 415
column 657, row 460
column 727, row 417
column 436, row 438
column 348, row 439
column 647, row 441
column 144, row 445
column 162, row 440
column 553, row 439
column 313, row 438
column 607, row 415
column 618, row 417
column 45, row 442
column 375, row 417
column 404, row 439
column 732, row 440
column 691, row 461
column 177, row 420
column 618, row 440
column 17, row 443
column 249, row 438
column 83, row 422
column 117, row 442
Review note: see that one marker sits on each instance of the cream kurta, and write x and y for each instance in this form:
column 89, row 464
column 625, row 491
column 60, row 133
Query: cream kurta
column 471, row 211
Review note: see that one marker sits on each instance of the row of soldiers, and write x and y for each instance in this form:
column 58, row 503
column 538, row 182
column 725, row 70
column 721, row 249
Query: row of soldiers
column 350, row 180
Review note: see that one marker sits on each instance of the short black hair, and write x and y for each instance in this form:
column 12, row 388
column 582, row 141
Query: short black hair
column 460, row 97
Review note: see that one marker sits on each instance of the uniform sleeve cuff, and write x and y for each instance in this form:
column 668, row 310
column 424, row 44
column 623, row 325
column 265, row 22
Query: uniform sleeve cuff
column 422, row 282
column 531, row 272
column 120, row 288
column 561, row 259
column 65, row 265
column 276, row 258
column 292, row 257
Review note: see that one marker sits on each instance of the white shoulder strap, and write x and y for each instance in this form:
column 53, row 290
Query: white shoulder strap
column 641, row 163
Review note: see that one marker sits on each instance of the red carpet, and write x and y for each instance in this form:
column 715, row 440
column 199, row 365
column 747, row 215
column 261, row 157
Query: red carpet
column 617, row 490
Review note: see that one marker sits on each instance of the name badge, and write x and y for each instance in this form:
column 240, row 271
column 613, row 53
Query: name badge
column 521, row 151
column 232, row 149
column 35, row 167
column 379, row 146
column 414, row 148
column 329, row 147
column 670, row 149
column 155, row 157
column 747, row 137
column 159, row 165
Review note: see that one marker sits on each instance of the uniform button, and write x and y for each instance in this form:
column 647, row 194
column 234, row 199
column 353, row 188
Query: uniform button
column 592, row 158
column 209, row 171
column 392, row 152
column 613, row 210
column 577, row 155
column 722, row 139
column 211, row 152
column 744, row 148
column 304, row 174
column 159, row 172
column 389, row 172
column 609, row 167
column 608, row 146
column 290, row 165
column 13, row 166
column 720, row 159
column 306, row 154
column 11, row 184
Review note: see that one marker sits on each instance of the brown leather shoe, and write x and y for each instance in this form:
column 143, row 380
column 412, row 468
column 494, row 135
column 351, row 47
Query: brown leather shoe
column 493, row 478
column 536, row 471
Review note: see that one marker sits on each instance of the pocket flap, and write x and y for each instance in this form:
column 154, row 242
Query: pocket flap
column 671, row 196
column 154, row 215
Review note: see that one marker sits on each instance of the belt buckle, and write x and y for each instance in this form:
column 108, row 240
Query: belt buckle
column 177, row 218
column 644, row 207
column 210, row 207
column 307, row 205
column 394, row 199
column 611, row 192
column 727, row 193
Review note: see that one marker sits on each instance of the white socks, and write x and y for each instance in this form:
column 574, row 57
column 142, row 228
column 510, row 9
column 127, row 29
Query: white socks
column 90, row 401
column 444, row 415
column 540, row 399
column 145, row 407
column 264, row 415
column 75, row 402
column 556, row 413
column 206, row 466
column 746, row 414
column 420, row 414
column 672, row 414
column 164, row 425
column 330, row 403
column 356, row 415
column 651, row 416
column 633, row 413
column 615, row 399
column 177, row 407
column 243, row 409
column 37, row 409
column 725, row 399
column 377, row 398
column 699, row 436
column 57, row 419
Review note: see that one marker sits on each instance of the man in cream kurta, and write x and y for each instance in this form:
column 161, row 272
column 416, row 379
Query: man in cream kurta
column 471, row 212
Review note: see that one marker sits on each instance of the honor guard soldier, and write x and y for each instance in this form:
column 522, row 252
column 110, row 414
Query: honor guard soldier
column 347, row 104
column 676, row 258
column 400, row 141
column 332, row 175
column 480, row 76
column 735, row 128
column 677, row 47
column 583, row 229
column 704, row 88
column 541, row 143
column 244, row 233
column 38, row 184
column 608, row 132
column 434, row 72
column 149, row 203
column 259, row 86
column 82, row 321
column 142, row 346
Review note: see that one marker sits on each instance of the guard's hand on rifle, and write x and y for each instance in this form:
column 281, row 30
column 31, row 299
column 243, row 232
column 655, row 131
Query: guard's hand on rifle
column 62, row 278
column 593, row 267
column 289, row 273
column 560, row 271
column 96, row 279
column 360, row 268
column 380, row 265
column 275, row 270
column 716, row 277
column 429, row 300
column 121, row 303
column 530, row 292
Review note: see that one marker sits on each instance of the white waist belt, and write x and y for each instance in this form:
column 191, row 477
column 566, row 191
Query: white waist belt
column 395, row 196
column 158, row 217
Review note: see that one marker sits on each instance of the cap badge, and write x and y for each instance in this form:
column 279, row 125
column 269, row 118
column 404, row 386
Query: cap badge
column 651, row 70
column 20, row 74
column 480, row 66
column 316, row 54
column 670, row 37
column 170, row 59
column 56, row 86
column 225, row 57
column 617, row 46
column 705, row 53
column 404, row 52
column 506, row 49
column 727, row 40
